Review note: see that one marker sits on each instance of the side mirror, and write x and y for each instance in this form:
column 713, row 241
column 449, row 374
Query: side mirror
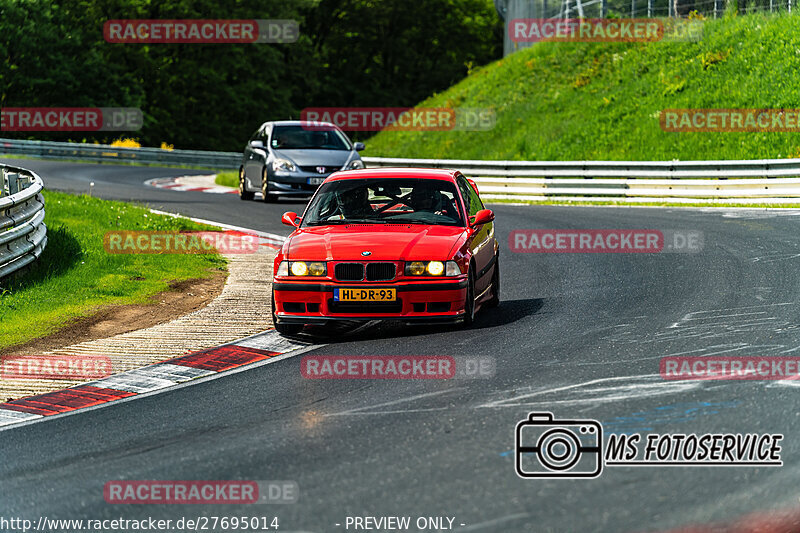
column 290, row 219
column 359, row 146
column 481, row 217
column 257, row 144
column 474, row 186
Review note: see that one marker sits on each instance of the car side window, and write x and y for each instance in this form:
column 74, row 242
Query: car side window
column 471, row 199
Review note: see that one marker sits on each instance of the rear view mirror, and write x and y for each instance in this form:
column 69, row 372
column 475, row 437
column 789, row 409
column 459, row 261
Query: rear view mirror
column 359, row 146
column 257, row 144
column 290, row 219
column 482, row 217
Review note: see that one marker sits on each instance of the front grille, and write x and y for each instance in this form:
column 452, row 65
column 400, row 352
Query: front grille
column 349, row 271
column 365, row 307
column 313, row 168
column 381, row 271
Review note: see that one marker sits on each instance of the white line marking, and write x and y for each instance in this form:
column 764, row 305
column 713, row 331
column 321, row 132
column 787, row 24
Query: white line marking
column 270, row 236
column 495, row 521
column 626, row 391
column 395, row 402
column 9, row 416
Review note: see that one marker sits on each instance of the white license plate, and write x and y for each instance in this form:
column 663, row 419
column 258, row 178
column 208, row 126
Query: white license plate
column 315, row 181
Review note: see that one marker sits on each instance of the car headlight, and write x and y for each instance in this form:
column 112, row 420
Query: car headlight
column 355, row 164
column 302, row 268
column 435, row 268
column 283, row 164
column 432, row 268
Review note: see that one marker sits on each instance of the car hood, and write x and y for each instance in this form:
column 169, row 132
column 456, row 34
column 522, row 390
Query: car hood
column 328, row 158
column 386, row 242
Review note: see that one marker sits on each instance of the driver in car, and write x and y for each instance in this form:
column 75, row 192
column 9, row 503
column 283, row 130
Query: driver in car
column 430, row 200
column 353, row 204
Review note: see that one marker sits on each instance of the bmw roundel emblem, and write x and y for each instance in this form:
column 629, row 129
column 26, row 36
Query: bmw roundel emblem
column 365, row 253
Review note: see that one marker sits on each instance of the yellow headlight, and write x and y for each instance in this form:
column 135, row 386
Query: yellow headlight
column 417, row 268
column 316, row 269
column 435, row 268
column 299, row 268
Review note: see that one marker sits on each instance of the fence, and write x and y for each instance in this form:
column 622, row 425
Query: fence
column 509, row 10
column 23, row 234
column 106, row 153
column 748, row 181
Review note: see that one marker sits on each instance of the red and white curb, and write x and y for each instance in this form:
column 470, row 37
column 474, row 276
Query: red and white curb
column 175, row 184
column 259, row 349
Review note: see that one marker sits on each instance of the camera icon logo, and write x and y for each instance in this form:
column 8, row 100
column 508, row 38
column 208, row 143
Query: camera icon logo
column 549, row 448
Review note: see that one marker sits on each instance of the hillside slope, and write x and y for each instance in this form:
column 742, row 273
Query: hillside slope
column 574, row 101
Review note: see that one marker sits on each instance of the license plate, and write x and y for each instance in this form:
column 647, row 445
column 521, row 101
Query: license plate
column 365, row 295
column 315, row 181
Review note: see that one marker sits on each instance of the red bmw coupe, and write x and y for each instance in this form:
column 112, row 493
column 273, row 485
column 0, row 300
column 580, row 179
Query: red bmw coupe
column 415, row 245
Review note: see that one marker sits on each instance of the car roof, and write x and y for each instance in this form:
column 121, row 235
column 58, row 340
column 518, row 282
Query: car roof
column 296, row 123
column 400, row 172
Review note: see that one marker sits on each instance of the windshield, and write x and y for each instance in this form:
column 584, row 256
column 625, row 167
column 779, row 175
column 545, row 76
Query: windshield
column 299, row 138
column 380, row 201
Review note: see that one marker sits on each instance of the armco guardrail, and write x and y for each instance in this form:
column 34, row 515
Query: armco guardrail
column 23, row 234
column 111, row 154
column 748, row 181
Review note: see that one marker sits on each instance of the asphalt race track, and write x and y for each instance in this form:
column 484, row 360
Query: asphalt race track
column 580, row 335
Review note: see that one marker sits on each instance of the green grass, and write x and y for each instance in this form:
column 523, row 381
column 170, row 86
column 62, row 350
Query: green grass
column 75, row 275
column 228, row 179
column 601, row 101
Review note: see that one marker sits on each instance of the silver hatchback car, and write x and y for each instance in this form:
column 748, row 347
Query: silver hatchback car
column 292, row 158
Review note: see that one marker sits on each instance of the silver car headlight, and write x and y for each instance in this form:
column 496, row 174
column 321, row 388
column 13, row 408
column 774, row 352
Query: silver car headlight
column 355, row 164
column 284, row 165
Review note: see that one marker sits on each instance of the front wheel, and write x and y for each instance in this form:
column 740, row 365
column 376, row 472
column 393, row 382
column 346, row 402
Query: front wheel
column 265, row 196
column 469, row 301
column 284, row 329
column 495, row 300
column 244, row 194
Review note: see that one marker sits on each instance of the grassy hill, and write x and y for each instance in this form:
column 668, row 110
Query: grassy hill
column 573, row 101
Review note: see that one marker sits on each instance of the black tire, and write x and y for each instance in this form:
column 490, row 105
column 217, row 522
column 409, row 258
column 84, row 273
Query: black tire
column 244, row 194
column 495, row 299
column 469, row 301
column 265, row 196
column 284, row 329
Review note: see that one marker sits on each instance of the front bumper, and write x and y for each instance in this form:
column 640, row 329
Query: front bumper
column 282, row 183
column 417, row 301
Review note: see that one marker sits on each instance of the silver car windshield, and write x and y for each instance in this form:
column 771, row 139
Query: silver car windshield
column 381, row 201
column 308, row 138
